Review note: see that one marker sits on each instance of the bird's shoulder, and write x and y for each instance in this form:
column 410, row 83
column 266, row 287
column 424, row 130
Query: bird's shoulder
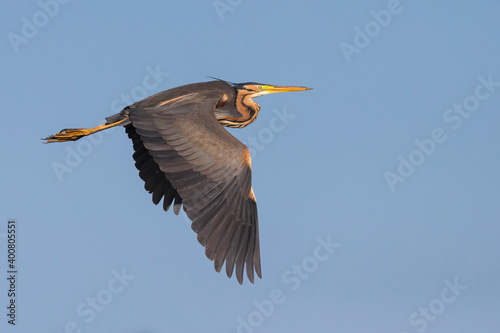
column 201, row 93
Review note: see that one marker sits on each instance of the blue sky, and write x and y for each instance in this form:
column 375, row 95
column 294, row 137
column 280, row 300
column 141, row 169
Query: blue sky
column 377, row 190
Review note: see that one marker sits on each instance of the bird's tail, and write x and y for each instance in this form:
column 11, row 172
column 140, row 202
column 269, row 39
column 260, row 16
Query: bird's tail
column 73, row 134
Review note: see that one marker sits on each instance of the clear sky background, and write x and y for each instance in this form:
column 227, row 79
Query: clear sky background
column 393, row 157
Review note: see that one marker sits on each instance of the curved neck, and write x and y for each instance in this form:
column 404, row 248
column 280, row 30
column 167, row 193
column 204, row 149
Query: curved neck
column 247, row 111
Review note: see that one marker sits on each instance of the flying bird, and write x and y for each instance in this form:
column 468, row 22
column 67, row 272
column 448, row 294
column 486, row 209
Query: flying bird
column 186, row 157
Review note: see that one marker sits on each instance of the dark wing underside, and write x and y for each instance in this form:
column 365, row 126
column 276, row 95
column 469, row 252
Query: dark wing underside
column 185, row 156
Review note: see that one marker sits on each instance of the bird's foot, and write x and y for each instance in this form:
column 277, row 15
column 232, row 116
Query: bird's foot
column 68, row 134
column 73, row 134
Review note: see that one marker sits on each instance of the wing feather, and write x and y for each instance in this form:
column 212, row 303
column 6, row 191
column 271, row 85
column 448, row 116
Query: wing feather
column 185, row 156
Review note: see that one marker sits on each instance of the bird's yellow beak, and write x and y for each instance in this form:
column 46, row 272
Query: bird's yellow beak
column 277, row 89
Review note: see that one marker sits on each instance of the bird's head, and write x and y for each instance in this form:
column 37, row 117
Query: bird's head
column 253, row 89
column 244, row 105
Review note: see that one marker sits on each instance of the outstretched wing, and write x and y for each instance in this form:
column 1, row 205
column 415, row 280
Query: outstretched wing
column 184, row 154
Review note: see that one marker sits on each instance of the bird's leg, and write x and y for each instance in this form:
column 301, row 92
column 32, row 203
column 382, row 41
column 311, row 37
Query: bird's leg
column 73, row 134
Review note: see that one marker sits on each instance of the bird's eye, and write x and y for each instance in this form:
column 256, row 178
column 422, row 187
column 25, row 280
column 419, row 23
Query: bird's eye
column 259, row 87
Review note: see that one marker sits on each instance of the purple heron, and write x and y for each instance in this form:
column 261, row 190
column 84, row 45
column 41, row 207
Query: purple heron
column 185, row 156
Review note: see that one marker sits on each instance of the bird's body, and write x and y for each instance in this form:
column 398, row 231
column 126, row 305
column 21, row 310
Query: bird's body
column 186, row 157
